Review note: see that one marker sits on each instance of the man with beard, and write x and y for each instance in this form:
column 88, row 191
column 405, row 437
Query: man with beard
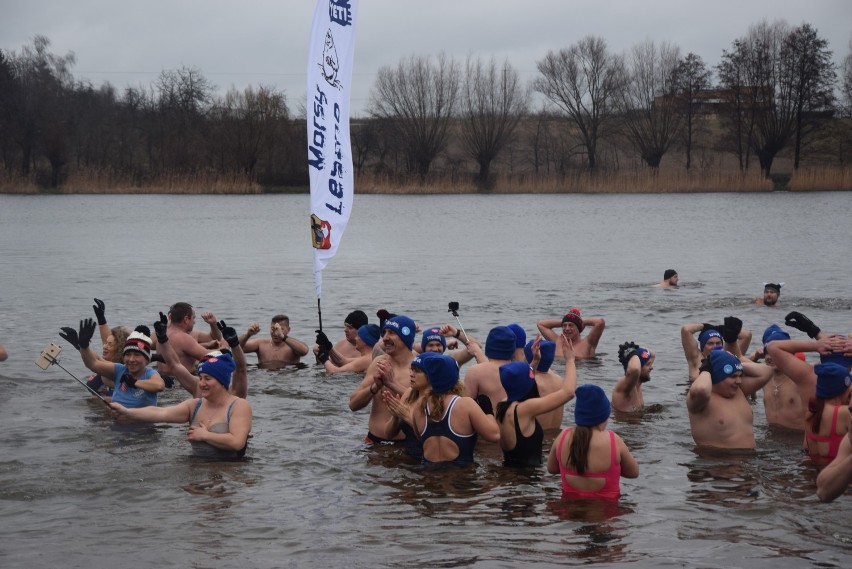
column 670, row 279
column 637, row 362
column 390, row 371
column 572, row 325
column 771, row 292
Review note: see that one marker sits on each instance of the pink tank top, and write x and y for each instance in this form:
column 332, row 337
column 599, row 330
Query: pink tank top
column 611, row 490
column 833, row 440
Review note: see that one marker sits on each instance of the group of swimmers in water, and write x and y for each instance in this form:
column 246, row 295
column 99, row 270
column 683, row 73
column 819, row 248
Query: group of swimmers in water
column 509, row 395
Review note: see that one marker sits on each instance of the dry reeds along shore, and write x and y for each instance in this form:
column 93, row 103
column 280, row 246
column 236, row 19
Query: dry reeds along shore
column 643, row 181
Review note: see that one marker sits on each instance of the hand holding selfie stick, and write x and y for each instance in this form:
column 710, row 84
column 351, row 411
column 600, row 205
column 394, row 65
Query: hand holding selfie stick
column 454, row 308
column 48, row 357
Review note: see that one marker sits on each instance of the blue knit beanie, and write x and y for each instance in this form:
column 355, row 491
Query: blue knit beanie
column 592, row 407
column 520, row 335
column 500, row 344
column 705, row 336
column 517, row 379
column 832, row 380
column 774, row 332
column 836, row 358
column 432, row 335
column 404, row 327
column 370, row 334
column 547, row 350
column 219, row 368
column 723, row 365
column 442, row 371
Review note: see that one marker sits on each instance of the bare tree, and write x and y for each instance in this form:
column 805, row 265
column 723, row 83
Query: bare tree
column 648, row 104
column 846, row 88
column 246, row 122
column 692, row 78
column 418, row 98
column 584, row 81
column 493, row 101
column 812, row 80
column 766, row 86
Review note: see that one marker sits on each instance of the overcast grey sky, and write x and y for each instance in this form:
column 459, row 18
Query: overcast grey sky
column 252, row 42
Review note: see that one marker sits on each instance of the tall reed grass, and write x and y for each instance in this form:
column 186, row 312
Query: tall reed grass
column 822, row 179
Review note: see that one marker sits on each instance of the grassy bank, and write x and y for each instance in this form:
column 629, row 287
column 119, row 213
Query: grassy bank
column 643, row 181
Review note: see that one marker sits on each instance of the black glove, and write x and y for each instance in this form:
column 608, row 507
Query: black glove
column 87, row 330
column 160, row 328
column 731, row 329
column 169, row 381
column 128, row 380
column 323, row 342
column 228, row 333
column 626, row 351
column 709, row 327
column 70, row 335
column 802, row 323
column 99, row 309
column 322, row 355
column 484, row 403
column 705, row 365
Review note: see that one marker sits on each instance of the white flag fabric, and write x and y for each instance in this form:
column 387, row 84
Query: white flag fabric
column 330, row 59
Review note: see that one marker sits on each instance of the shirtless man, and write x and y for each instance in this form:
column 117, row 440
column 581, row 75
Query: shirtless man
column 733, row 337
column 182, row 338
column 389, row 371
column 485, row 377
column 366, row 339
column 572, row 325
column 280, row 348
column 782, row 400
column 771, row 292
column 343, row 351
column 719, row 412
column 547, row 382
column 638, row 363
column 670, row 279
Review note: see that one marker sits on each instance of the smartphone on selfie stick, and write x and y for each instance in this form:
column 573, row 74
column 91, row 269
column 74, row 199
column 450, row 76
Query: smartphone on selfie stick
column 50, row 356
column 454, row 309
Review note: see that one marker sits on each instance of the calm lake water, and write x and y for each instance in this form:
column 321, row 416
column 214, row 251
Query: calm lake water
column 79, row 491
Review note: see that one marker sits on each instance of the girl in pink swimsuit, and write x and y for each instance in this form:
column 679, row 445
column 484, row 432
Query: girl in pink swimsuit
column 828, row 412
column 589, row 459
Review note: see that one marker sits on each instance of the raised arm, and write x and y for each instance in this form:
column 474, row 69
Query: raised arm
column 545, row 328
column 755, row 376
column 80, row 340
column 539, row 405
column 690, row 345
column 699, row 393
column 170, row 358
column 628, row 383
column 597, row 324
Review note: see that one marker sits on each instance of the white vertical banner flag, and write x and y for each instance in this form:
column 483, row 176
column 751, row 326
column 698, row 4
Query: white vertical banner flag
column 330, row 59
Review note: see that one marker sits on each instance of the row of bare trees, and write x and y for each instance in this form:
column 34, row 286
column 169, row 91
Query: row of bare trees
column 774, row 89
column 175, row 127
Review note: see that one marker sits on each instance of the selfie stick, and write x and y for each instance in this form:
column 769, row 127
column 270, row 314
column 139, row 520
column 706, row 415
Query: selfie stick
column 319, row 314
column 53, row 360
column 456, row 314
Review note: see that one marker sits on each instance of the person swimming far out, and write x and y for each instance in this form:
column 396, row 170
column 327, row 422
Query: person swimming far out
column 589, row 459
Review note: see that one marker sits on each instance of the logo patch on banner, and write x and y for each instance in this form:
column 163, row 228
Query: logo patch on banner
column 320, row 233
column 330, row 64
column 340, row 12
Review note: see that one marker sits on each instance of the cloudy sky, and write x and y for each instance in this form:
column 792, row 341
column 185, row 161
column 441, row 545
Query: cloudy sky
column 253, row 42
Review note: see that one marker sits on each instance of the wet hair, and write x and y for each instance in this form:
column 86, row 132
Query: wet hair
column 281, row 318
column 180, row 310
column 120, row 334
column 578, row 453
column 816, row 405
column 436, row 400
column 503, row 406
